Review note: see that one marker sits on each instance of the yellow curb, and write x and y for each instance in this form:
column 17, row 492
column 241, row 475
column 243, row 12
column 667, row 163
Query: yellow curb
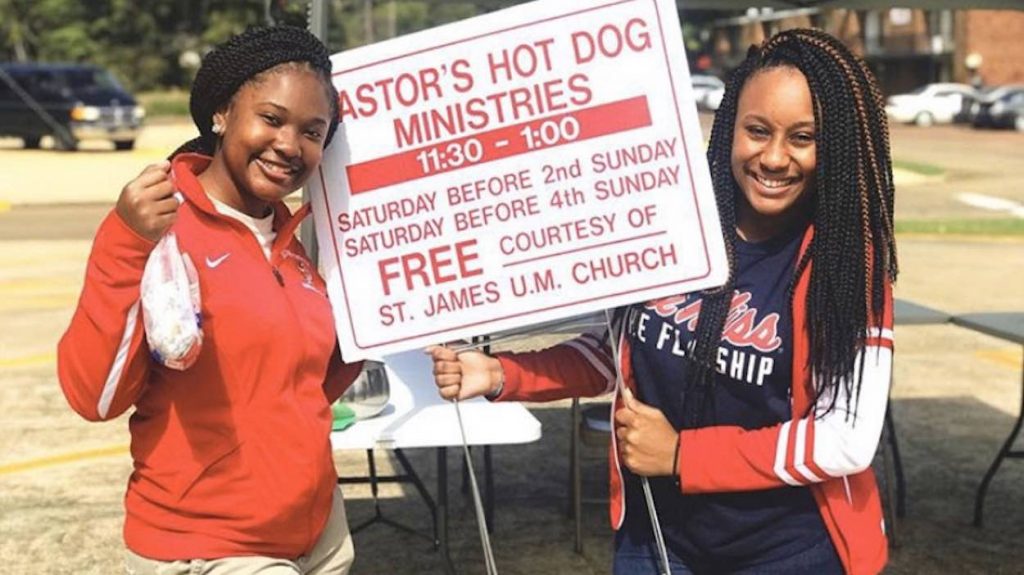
column 1007, row 357
column 964, row 238
column 158, row 153
column 52, row 460
column 28, row 360
column 35, row 285
column 38, row 303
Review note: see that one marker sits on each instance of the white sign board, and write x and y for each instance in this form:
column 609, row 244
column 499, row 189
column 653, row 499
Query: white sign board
column 519, row 167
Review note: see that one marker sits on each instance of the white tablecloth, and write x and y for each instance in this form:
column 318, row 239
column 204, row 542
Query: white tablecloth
column 417, row 416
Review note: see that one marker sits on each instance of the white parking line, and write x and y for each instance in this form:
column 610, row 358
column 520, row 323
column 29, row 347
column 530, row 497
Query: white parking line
column 992, row 203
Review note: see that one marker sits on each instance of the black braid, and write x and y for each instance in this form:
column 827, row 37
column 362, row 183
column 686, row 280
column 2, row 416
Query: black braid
column 853, row 250
column 247, row 58
column 716, row 303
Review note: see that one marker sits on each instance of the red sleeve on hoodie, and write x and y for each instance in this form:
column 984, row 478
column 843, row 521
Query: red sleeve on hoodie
column 102, row 359
column 581, row 367
column 821, row 445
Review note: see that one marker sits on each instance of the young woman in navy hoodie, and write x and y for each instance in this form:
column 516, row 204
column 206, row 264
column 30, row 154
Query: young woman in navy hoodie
column 755, row 409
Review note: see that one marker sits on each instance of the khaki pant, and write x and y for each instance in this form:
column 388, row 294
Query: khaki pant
column 332, row 555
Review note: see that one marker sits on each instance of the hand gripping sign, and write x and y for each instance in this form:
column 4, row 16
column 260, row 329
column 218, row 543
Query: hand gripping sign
column 532, row 164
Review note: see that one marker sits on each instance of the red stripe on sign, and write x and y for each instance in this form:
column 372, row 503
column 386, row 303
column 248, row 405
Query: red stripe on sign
column 593, row 122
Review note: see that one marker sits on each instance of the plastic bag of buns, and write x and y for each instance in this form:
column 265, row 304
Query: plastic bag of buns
column 171, row 306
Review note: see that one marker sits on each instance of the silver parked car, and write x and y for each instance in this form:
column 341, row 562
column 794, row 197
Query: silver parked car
column 707, row 91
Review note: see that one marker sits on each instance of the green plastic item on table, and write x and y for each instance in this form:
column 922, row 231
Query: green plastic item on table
column 343, row 416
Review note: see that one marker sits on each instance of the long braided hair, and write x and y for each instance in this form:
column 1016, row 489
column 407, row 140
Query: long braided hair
column 248, row 58
column 853, row 247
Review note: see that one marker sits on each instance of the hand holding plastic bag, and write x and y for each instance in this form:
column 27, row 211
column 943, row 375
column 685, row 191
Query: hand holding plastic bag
column 171, row 306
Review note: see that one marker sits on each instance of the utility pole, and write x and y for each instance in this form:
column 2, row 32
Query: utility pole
column 316, row 20
column 392, row 19
column 367, row 21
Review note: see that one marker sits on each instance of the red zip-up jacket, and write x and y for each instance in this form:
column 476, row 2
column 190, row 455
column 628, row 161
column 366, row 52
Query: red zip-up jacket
column 231, row 456
column 830, row 453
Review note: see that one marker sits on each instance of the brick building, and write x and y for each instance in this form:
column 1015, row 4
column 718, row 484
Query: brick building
column 998, row 37
column 906, row 48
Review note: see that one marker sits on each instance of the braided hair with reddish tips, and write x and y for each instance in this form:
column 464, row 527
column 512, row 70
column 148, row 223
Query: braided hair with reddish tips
column 853, row 247
column 248, row 58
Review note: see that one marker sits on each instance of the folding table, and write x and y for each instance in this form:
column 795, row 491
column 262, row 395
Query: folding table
column 1010, row 327
column 417, row 417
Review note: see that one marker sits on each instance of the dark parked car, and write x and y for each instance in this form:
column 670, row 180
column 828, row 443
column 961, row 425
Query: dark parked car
column 70, row 102
column 968, row 107
column 994, row 109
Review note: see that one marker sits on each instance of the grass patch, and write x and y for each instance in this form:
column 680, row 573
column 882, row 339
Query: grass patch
column 164, row 104
column 977, row 227
column 918, row 168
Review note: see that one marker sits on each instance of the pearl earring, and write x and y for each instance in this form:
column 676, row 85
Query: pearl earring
column 218, row 129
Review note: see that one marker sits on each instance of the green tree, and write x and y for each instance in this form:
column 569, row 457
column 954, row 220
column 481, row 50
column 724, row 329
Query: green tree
column 15, row 34
column 142, row 41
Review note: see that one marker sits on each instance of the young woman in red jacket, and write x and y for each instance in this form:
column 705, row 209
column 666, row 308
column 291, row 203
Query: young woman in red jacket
column 754, row 409
column 233, row 469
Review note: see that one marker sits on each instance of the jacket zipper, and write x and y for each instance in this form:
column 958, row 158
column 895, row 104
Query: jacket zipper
column 273, row 261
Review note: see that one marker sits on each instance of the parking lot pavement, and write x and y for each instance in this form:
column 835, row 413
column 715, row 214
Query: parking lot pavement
column 974, row 161
column 93, row 174
column 62, row 479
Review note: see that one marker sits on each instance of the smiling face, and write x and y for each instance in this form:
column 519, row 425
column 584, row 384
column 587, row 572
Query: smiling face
column 273, row 139
column 773, row 152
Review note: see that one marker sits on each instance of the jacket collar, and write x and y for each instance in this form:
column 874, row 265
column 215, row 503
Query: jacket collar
column 185, row 169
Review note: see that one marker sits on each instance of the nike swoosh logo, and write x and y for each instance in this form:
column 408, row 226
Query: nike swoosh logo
column 216, row 262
